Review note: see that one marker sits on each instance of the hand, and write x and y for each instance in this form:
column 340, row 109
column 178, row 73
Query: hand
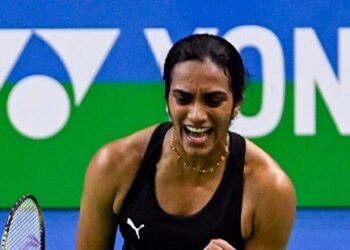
column 219, row 244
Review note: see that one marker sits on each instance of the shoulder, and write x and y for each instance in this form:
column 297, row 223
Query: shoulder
column 264, row 173
column 271, row 199
column 122, row 156
column 115, row 154
column 115, row 165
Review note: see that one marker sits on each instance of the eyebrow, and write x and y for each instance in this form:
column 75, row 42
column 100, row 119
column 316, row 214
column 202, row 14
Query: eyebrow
column 215, row 93
column 211, row 93
column 181, row 92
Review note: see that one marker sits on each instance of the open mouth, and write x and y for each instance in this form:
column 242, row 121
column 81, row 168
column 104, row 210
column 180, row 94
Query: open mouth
column 197, row 132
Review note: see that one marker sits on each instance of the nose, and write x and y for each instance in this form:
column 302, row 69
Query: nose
column 197, row 113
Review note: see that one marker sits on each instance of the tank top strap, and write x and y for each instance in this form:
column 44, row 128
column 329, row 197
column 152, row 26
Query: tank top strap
column 147, row 169
column 236, row 157
column 155, row 144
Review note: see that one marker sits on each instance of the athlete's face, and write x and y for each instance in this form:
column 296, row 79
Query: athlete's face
column 201, row 107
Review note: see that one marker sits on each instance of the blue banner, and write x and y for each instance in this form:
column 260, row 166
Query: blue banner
column 131, row 58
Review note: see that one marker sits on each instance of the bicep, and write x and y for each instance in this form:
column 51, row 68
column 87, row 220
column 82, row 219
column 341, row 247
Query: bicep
column 97, row 221
column 274, row 218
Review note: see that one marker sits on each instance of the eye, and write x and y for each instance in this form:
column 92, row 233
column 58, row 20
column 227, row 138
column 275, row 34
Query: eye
column 182, row 98
column 215, row 99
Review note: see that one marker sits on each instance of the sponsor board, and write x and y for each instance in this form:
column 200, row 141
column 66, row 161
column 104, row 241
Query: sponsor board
column 66, row 90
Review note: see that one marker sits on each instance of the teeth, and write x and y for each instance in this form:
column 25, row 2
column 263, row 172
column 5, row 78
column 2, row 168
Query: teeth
column 197, row 130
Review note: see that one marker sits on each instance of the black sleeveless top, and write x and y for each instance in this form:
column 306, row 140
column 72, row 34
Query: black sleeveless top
column 144, row 225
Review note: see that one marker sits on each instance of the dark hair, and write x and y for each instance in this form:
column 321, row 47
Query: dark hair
column 204, row 46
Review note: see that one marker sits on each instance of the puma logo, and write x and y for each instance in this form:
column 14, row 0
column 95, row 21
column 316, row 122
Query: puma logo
column 131, row 224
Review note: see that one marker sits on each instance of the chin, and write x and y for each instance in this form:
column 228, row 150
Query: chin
column 197, row 151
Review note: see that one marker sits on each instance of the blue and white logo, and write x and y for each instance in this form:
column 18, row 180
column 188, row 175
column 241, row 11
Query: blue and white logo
column 38, row 105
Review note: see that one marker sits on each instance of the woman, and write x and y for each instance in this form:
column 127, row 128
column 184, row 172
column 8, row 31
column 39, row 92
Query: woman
column 189, row 184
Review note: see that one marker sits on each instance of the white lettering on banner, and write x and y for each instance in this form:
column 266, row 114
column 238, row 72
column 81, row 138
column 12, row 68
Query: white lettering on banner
column 160, row 43
column 312, row 69
column 273, row 78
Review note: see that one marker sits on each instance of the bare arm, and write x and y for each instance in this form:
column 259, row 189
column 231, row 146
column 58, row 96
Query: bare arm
column 274, row 215
column 97, row 222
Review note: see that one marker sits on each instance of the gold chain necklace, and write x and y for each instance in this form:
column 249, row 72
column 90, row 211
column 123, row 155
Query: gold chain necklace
column 202, row 171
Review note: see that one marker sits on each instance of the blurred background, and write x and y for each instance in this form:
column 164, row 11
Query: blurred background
column 75, row 75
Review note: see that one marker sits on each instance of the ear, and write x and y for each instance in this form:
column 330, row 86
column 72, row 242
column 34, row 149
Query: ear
column 167, row 110
column 167, row 107
column 235, row 111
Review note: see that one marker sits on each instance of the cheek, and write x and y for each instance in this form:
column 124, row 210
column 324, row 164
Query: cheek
column 224, row 118
column 175, row 111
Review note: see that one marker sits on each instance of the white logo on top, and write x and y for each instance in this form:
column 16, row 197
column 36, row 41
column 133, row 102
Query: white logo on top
column 137, row 230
